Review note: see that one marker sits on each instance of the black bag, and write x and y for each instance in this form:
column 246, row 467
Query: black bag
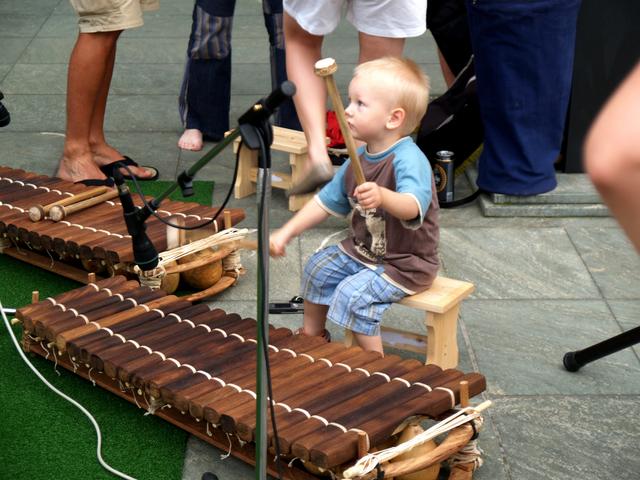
column 453, row 123
column 448, row 24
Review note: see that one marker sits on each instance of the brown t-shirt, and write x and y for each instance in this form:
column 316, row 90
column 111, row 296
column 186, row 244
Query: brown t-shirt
column 407, row 251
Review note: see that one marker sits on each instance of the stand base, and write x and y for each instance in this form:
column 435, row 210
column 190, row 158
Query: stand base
column 570, row 362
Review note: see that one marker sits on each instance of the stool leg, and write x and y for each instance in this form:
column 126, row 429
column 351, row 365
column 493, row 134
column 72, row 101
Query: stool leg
column 349, row 340
column 248, row 160
column 296, row 202
column 442, row 341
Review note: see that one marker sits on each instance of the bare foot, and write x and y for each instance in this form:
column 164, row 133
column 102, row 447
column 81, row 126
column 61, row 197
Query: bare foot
column 317, row 174
column 191, row 139
column 317, row 171
column 78, row 167
column 104, row 154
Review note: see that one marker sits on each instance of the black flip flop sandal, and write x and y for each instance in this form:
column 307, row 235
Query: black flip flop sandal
column 108, row 169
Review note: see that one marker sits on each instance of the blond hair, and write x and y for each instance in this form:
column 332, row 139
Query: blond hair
column 406, row 85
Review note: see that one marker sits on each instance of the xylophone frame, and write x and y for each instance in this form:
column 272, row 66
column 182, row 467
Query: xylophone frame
column 246, row 452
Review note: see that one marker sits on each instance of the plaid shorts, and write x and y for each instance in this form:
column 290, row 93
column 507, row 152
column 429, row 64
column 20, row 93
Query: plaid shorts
column 357, row 295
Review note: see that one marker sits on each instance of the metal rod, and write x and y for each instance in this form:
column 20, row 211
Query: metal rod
column 573, row 361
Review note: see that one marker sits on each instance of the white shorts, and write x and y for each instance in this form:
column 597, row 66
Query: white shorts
column 381, row 18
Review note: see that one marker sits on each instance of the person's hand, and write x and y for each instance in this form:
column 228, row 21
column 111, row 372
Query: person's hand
column 369, row 195
column 278, row 243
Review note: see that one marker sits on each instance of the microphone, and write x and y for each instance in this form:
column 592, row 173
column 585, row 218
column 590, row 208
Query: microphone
column 5, row 118
column 265, row 107
column 145, row 254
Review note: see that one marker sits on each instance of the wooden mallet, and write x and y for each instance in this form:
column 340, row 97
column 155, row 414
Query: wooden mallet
column 39, row 212
column 60, row 212
column 326, row 68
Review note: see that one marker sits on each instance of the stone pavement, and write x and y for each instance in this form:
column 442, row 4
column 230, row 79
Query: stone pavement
column 544, row 285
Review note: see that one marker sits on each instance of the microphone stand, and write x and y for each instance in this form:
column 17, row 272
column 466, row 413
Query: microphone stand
column 257, row 133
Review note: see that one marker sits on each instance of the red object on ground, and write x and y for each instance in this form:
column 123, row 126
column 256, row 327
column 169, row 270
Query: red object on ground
column 333, row 131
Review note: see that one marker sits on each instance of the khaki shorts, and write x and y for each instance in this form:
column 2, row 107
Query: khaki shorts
column 111, row 15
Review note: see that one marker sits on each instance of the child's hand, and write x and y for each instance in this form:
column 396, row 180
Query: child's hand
column 278, row 243
column 369, row 195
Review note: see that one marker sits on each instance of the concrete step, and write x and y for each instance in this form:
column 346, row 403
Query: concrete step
column 574, row 196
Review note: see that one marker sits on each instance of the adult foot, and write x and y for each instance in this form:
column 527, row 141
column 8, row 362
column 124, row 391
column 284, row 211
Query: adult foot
column 318, row 174
column 77, row 167
column 191, row 139
column 104, row 154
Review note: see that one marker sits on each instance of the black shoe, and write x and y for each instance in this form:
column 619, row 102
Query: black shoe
column 5, row 118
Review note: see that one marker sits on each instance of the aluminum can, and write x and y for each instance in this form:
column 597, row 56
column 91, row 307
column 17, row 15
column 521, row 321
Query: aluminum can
column 444, row 175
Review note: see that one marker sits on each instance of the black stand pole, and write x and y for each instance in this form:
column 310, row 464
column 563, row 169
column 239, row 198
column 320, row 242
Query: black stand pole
column 257, row 134
column 573, row 361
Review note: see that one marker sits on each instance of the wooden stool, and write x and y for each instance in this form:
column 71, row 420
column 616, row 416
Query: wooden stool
column 285, row 140
column 442, row 306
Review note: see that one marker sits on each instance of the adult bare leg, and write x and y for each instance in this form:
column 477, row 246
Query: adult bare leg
column 372, row 47
column 447, row 74
column 88, row 66
column 612, row 155
column 103, row 153
column 303, row 50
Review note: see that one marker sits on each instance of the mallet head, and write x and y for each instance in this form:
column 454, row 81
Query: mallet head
column 325, row 67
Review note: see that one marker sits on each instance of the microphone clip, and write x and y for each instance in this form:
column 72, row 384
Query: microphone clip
column 144, row 252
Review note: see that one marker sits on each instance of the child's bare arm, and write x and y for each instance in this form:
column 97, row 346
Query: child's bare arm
column 310, row 215
column 400, row 205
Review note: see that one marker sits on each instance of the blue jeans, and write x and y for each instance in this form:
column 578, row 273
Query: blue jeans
column 524, row 61
column 205, row 94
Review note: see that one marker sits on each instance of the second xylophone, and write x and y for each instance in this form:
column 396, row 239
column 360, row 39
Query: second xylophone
column 201, row 361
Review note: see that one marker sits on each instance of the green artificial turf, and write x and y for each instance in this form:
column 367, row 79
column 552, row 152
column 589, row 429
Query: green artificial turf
column 42, row 436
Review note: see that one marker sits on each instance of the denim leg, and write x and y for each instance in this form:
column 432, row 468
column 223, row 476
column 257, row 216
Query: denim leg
column 286, row 115
column 205, row 95
column 523, row 60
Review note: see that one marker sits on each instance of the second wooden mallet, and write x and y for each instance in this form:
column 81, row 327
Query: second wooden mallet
column 326, row 68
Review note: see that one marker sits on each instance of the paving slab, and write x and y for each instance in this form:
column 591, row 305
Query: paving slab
column 12, row 48
column 202, row 457
column 4, row 70
column 36, row 79
column 569, row 437
column 509, row 263
column 627, row 314
column 20, row 25
column 611, row 260
column 36, row 113
column 32, row 151
column 126, row 113
column 32, row 7
column 519, row 346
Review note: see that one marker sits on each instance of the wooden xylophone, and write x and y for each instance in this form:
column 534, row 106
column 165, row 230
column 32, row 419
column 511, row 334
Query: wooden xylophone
column 94, row 237
column 158, row 350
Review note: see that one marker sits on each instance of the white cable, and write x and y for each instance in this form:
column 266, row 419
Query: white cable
column 69, row 399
